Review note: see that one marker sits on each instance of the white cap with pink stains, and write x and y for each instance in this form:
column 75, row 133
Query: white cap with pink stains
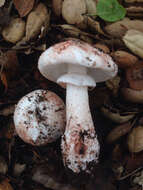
column 39, row 117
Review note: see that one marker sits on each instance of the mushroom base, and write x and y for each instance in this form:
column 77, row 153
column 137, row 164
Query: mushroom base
column 80, row 145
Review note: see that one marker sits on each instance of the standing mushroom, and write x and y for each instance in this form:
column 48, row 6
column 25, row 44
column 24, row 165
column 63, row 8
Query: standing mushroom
column 39, row 117
column 77, row 65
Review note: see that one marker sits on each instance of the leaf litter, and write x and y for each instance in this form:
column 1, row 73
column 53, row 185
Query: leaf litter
column 23, row 166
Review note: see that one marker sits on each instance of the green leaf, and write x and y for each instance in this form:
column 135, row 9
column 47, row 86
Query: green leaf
column 110, row 10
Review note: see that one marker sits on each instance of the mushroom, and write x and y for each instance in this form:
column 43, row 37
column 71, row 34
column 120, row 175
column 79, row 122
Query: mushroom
column 39, row 117
column 77, row 66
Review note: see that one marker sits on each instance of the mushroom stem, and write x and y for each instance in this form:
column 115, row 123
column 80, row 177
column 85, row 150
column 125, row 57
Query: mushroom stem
column 77, row 106
column 80, row 145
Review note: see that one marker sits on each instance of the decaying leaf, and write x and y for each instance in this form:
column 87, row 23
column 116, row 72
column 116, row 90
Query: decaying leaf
column 131, row 95
column 135, row 139
column 135, row 11
column 72, row 11
column 118, row 132
column 8, row 60
column 116, row 116
column 18, row 169
column 134, row 76
column 74, row 32
column 23, row 6
column 94, row 25
column 114, row 84
column 91, row 7
column 9, row 67
column 118, row 29
column 133, row 39
column 4, row 17
column 57, row 7
column 124, row 59
column 37, row 20
column 4, row 80
column 5, row 185
column 14, row 31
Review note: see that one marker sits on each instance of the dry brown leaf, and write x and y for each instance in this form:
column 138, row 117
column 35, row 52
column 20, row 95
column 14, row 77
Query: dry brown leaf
column 8, row 60
column 124, row 59
column 4, row 80
column 23, row 6
column 5, row 185
column 14, row 32
column 118, row 132
column 134, row 76
column 118, row 29
column 37, row 20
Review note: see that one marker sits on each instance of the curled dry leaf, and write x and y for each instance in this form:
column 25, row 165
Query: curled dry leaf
column 116, row 116
column 134, row 76
column 134, row 96
column 118, row 29
column 72, row 11
column 135, row 139
column 133, row 39
column 57, row 7
column 118, row 132
column 23, row 6
column 5, row 185
column 37, row 19
column 14, row 31
column 124, row 59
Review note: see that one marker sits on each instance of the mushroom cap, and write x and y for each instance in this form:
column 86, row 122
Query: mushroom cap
column 39, row 117
column 53, row 63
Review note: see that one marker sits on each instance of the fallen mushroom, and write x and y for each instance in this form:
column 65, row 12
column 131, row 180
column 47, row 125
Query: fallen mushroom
column 39, row 117
column 77, row 65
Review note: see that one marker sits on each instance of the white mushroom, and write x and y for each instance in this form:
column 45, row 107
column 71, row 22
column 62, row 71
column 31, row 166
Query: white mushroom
column 39, row 117
column 77, row 65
